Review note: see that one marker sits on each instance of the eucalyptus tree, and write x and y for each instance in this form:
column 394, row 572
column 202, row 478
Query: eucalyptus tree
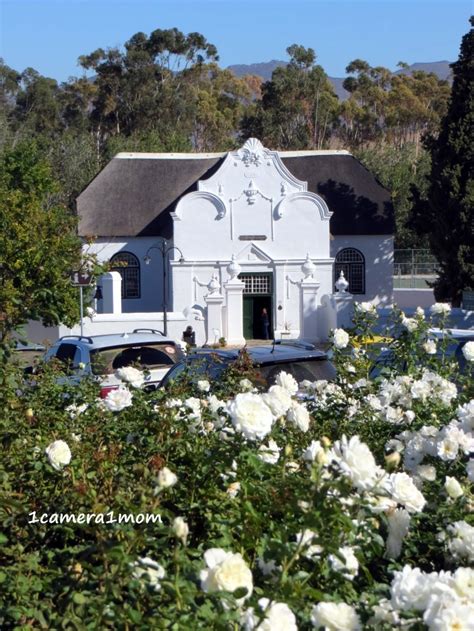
column 141, row 87
column 298, row 108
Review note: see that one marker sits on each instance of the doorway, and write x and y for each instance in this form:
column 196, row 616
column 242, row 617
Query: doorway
column 257, row 296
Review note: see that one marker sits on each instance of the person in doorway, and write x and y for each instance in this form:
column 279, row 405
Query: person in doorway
column 265, row 324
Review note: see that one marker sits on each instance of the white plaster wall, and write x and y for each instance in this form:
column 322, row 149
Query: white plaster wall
column 103, row 324
column 412, row 298
column 378, row 254
column 151, row 276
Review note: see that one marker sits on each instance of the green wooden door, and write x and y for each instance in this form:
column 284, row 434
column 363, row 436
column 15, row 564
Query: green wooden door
column 248, row 317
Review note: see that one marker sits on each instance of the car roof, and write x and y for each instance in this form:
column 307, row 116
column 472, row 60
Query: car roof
column 265, row 354
column 114, row 339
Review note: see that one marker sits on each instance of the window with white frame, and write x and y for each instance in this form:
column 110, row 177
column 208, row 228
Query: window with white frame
column 128, row 266
column 257, row 283
column 352, row 263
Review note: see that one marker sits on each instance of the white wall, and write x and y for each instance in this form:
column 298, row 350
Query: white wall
column 412, row 298
column 106, row 323
column 151, row 276
column 378, row 254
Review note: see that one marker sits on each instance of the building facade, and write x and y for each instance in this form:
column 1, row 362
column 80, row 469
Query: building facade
column 273, row 228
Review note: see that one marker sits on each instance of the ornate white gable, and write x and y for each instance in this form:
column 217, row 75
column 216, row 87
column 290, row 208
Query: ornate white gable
column 252, row 197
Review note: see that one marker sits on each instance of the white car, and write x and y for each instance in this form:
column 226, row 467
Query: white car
column 103, row 355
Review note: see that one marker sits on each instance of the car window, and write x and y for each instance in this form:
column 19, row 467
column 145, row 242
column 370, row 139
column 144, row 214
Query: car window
column 311, row 370
column 68, row 354
column 105, row 361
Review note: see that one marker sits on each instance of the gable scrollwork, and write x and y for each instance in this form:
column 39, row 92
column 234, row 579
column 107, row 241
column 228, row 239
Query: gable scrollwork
column 195, row 196
column 292, row 201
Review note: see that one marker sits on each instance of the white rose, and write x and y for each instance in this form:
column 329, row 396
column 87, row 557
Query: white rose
column 468, row 351
column 365, row 307
column 357, row 462
column 410, row 324
column 166, row 478
column 59, row 454
column 225, row 572
column 440, row 308
column 203, row 385
column 340, row 338
column 463, row 580
column 410, row 589
column 250, row 415
column 453, row 488
column 303, row 541
column 269, row 453
column 335, row 617
column 233, row 489
column 76, row 410
column 194, row 405
column 426, row 472
column 398, row 526
column 278, row 400
column 403, row 490
column 461, row 544
column 119, row 399
column 299, row 416
column 430, row 347
column 151, row 571
column 131, row 375
column 246, row 385
column 420, row 312
column 312, row 451
column 287, row 382
column 349, row 566
column 278, row 616
column 180, row 529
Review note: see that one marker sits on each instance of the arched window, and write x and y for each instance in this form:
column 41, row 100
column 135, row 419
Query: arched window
column 128, row 266
column 352, row 263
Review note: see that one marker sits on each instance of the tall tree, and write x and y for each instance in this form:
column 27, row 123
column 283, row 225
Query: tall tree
column 447, row 216
column 38, row 246
column 298, row 108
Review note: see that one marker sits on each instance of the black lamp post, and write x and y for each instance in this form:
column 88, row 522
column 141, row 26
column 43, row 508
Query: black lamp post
column 165, row 249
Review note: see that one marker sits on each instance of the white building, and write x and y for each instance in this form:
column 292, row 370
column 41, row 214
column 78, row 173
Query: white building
column 256, row 229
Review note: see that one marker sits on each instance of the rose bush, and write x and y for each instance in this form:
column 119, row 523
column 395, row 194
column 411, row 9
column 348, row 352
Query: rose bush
column 345, row 505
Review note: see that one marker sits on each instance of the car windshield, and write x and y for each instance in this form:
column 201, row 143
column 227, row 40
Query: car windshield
column 105, row 361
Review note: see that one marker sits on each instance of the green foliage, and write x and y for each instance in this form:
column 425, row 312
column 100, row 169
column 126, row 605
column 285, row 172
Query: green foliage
column 447, row 215
column 399, row 170
column 298, row 109
column 89, row 575
column 38, row 245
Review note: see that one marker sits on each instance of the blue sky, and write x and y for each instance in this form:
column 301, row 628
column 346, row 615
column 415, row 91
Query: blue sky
column 49, row 35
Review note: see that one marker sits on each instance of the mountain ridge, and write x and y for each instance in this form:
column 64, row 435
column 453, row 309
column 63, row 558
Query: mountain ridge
column 264, row 70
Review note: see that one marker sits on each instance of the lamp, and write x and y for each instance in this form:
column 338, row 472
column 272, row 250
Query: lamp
column 163, row 247
column 98, row 293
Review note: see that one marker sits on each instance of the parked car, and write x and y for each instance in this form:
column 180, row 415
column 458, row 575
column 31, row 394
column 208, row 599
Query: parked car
column 100, row 356
column 454, row 339
column 300, row 359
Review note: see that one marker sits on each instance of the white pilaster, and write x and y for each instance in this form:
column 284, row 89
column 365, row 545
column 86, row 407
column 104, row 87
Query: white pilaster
column 111, row 293
column 214, row 317
column 308, row 308
column 234, row 312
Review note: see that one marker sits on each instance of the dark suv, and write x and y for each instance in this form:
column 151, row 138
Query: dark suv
column 302, row 360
